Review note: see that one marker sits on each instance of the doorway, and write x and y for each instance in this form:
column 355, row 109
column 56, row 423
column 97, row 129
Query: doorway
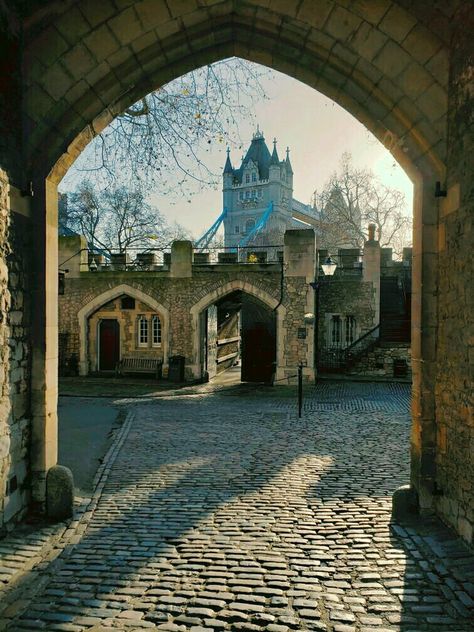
column 109, row 344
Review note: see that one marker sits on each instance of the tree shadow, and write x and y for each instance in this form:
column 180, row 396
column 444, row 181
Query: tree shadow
column 210, row 514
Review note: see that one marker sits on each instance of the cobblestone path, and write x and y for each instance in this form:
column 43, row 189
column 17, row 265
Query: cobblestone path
column 229, row 513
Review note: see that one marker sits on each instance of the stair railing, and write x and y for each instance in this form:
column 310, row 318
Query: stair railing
column 362, row 345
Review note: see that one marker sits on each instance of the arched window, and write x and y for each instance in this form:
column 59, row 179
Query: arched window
column 142, row 331
column 156, row 331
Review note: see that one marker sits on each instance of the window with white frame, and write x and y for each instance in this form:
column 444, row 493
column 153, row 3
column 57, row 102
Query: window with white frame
column 142, row 331
column 156, row 331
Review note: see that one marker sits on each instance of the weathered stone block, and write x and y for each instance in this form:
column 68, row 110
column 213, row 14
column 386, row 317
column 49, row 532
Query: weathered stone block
column 59, row 493
column 404, row 503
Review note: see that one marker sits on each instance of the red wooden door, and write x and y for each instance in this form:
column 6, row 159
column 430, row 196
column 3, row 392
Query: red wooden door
column 109, row 344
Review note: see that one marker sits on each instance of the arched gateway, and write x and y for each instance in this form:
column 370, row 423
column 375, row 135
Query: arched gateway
column 221, row 292
column 400, row 68
column 104, row 297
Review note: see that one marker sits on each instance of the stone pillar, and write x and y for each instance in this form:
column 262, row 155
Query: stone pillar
column 423, row 340
column 181, row 259
column 73, row 255
column 295, row 336
column 44, row 338
column 371, row 269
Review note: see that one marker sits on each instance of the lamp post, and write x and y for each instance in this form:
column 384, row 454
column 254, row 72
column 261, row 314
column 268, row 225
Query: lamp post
column 329, row 267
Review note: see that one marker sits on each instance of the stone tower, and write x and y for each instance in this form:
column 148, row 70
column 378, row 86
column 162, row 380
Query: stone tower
column 261, row 179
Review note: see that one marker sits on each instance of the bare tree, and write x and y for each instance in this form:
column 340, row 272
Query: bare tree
column 162, row 141
column 354, row 198
column 117, row 218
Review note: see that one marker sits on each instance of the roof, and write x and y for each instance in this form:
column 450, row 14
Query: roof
column 259, row 154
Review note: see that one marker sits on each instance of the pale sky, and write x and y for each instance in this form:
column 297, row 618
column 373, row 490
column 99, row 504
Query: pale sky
column 318, row 132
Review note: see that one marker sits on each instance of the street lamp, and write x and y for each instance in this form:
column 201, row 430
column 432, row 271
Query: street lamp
column 329, row 267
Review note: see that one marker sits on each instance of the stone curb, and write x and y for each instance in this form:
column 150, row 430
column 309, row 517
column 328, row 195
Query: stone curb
column 19, row 592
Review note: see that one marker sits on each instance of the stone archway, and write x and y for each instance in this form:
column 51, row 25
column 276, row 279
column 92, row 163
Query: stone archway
column 87, row 310
column 222, row 291
column 388, row 63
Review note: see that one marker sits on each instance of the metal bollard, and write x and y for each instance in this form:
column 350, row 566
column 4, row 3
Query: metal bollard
column 300, row 389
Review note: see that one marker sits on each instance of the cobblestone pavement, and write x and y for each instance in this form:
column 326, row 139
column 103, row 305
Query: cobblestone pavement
column 229, row 513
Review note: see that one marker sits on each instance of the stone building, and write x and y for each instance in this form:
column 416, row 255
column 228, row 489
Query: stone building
column 260, row 194
column 403, row 69
column 188, row 308
column 111, row 311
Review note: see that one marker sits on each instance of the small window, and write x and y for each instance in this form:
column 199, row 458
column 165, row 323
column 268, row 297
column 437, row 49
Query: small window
column 247, row 195
column 156, row 331
column 237, row 229
column 241, row 195
column 260, row 193
column 254, row 177
column 142, row 331
column 350, row 328
column 254, row 193
column 127, row 302
column 249, row 225
column 335, row 330
column 247, row 178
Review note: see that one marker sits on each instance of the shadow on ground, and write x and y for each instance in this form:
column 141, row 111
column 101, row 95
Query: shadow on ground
column 216, row 510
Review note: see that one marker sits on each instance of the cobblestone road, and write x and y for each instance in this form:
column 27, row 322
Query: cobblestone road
column 229, row 513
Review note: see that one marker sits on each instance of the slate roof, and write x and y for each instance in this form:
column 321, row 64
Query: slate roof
column 259, row 154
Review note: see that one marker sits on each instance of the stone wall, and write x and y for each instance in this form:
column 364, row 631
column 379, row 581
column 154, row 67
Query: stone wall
column 128, row 321
column 455, row 370
column 177, row 295
column 346, row 296
column 5, row 414
column 14, row 360
column 379, row 362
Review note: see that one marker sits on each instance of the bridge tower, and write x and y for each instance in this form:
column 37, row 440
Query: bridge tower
column 261, row 179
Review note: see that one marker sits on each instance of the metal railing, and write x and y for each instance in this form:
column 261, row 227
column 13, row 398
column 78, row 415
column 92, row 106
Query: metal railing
column 336, row 358
column 238, row 254
column 362, row 345
column 156, row 259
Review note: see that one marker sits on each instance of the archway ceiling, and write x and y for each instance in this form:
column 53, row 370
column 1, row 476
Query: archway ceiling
column 386, row 62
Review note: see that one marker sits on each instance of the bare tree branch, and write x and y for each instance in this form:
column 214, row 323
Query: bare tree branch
column 354, row 198
column 160, row 141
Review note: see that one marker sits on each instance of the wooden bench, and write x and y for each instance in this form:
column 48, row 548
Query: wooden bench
column 140, row 365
